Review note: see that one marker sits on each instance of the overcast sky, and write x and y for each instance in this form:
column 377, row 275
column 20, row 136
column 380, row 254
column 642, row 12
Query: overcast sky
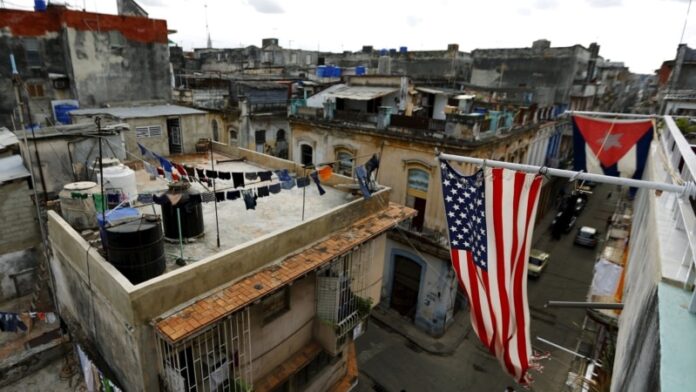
column 641, row 33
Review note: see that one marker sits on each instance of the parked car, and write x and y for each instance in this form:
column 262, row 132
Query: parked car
column 569, row 223
column 587, row 236
column 580, row 201
column 538, row 260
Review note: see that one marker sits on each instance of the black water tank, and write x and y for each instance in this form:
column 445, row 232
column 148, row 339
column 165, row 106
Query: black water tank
column 136, row 248
column 191, row 213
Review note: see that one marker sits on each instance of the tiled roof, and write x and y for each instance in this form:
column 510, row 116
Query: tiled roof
column 290, row 366
column 214, row 307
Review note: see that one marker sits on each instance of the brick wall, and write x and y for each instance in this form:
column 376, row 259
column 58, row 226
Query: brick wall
column 18, row 224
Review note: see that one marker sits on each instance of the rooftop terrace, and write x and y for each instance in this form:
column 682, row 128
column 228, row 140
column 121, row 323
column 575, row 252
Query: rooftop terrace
column 237, row 224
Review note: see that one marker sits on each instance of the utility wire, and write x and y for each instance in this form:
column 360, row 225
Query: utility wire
column 686, row 19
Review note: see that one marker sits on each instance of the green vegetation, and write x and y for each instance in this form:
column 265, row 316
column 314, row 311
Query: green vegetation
column 685, row 125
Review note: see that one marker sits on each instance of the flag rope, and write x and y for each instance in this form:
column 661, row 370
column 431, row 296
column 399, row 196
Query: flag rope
column 688, row 189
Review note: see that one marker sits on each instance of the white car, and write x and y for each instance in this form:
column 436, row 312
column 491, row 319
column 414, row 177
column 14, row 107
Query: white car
column 538, row 260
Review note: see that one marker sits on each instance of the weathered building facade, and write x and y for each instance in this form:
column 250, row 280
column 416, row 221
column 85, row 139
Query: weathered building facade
column 277, row 306
column 77, row 58
column 557, row 75
column 418, row 280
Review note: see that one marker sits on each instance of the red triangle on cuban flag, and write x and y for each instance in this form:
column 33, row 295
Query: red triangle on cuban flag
column 610, row 140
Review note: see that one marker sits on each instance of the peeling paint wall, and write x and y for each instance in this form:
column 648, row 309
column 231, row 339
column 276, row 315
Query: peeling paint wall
column 106, row 59
column 437, row 292
column 107, row 67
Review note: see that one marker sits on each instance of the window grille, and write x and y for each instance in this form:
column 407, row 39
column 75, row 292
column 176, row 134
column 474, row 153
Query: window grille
column 217, row 359
column 342, row 298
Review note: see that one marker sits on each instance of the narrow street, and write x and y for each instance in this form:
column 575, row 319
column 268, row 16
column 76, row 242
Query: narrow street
column 389, row 362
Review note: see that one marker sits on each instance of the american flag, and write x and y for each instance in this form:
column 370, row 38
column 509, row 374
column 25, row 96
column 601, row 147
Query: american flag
column 490, row 217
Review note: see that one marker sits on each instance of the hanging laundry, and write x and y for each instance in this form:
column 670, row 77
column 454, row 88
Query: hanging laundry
column 361, row 173
column 166, row 165
column 195, row 198
column 251, row 176
column 275, row 188
column 189, row 171
column 325, row 173
column 146, row 153
column 181, row 170
column 283, row 175
column 288, row 184
column 315, row 178
column 238, row 179
column 51, row 317
column 160, row 199
column 113, row 198
column 249, row 199
column 263, row 191
column 265, row 175
column 302, row 182
column 145, row 198
column 371, row 165
column 211, row 173
column 220, row 195
column 99, row 203
column 224, row 175
column 160, row 171
column 201, row 173
column 233, row 195
column 207, row 197
column 10, row 322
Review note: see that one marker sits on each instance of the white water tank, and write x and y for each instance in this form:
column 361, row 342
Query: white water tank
column 118, row 178
column 77, row 205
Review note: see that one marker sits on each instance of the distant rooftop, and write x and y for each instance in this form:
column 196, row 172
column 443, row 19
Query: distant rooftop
column 139, row 111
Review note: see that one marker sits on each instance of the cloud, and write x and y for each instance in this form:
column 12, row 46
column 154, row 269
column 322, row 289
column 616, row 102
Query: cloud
column 546, row 4
column 152, row 3
column 413, row 21
column 524, row 11
column 266, row 6
column 604, row 3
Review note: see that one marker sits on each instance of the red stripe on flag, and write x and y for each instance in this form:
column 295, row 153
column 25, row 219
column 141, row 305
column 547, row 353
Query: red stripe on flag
column 501, row 261
column 476, row 299
column 519, row 283
column 515, row 251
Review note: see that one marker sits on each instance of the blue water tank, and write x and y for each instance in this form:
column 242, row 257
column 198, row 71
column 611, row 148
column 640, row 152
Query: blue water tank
column 337, row 72
column 403, row 49
column 63, row 113
column 321, row 71
column 360, row 70
column 39, row 5
column 383, row 52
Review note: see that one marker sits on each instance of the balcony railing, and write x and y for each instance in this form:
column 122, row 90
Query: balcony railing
column 349, row 116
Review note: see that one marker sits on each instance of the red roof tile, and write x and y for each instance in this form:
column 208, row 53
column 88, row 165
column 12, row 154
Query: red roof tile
column 240, row 294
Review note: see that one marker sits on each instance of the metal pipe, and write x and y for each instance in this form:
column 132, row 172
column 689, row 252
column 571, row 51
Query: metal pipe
column 212, row 167
column 583, row 305
column 104, row 203
column 688, row 189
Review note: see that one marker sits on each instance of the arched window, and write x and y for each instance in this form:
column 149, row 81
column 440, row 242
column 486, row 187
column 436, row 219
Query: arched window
column 280, row 135
column 233, row 135
column 216, row 135
column 417, row 195
column 306, row 154
column 345, row 162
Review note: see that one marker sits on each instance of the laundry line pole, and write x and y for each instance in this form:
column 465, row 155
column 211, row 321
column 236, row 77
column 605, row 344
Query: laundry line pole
column 688, row 189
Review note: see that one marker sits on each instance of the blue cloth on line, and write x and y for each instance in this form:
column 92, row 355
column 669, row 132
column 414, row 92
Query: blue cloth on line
column 315, row 178
column 361, row 173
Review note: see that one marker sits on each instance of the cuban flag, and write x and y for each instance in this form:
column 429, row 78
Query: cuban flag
column 612, row 147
